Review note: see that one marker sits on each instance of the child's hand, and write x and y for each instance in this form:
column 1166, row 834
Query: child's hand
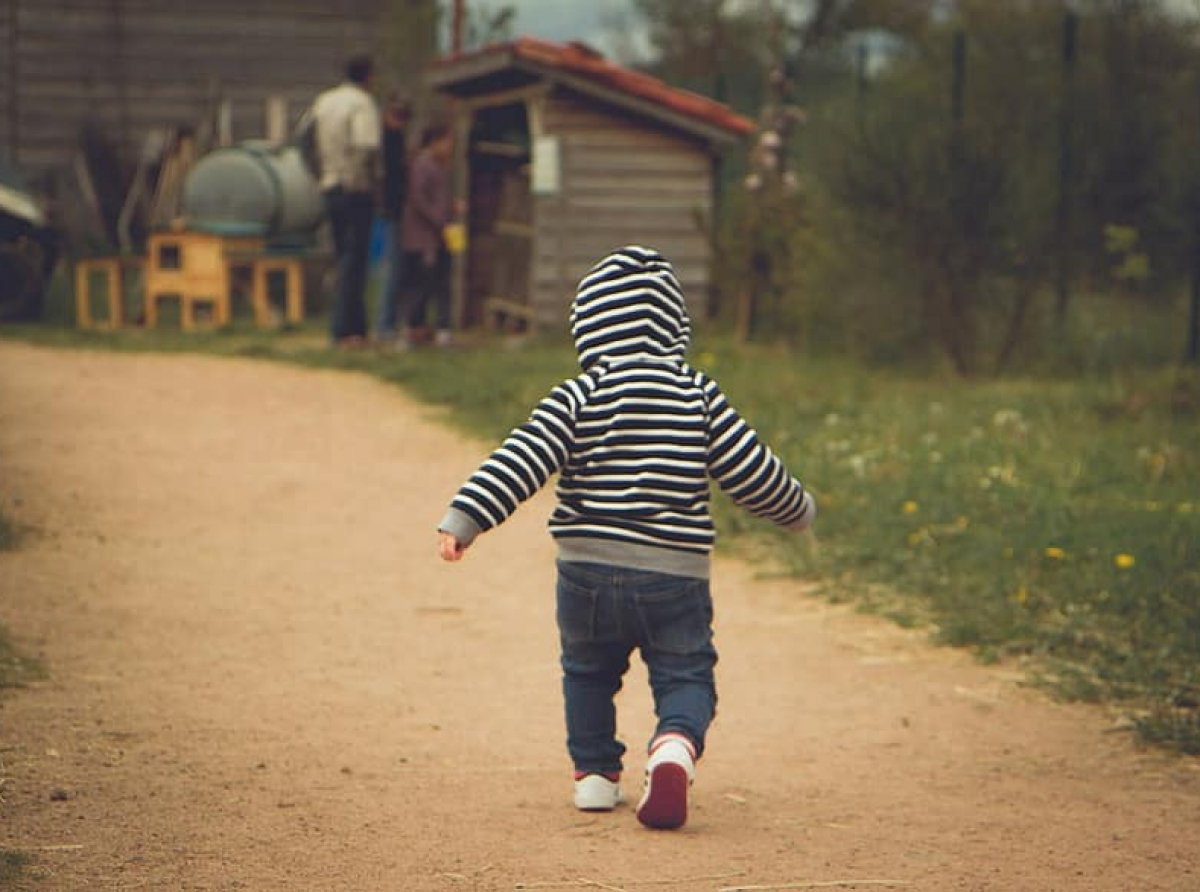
column 449, row 547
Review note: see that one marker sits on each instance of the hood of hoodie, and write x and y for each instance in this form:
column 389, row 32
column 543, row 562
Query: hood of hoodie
column 630, row 304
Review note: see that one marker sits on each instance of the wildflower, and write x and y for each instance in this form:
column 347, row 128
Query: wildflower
column 1055, row 553
column 921, row 537
column 707, row 359
column 1124, row 561
column 1021, row 595
column 1006, row 418
column 911, row 507
column 1010, row 421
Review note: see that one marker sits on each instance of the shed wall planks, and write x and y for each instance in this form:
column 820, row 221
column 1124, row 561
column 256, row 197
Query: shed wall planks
column 625, row 180
column 134, row 65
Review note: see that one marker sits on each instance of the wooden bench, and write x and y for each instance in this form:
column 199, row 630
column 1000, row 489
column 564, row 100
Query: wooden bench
column 499, row 310
column 292, row 267
column 195, row 267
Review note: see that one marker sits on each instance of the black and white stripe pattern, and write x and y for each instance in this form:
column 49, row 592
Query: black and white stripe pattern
column 637, row 436
column 630, row 304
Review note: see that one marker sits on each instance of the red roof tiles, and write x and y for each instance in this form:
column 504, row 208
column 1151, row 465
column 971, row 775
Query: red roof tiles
column 580, row 60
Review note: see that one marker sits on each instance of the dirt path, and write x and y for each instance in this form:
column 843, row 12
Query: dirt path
column 262, row 678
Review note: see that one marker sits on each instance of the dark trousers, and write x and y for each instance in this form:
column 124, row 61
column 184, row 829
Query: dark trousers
column 350, row 215
column 423, row 282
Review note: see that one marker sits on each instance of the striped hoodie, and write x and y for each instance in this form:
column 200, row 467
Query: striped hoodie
column 635, row 438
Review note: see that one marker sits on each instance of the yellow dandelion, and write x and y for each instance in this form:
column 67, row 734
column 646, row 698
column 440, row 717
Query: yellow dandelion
column 1021, row 595
column 707, row 359
column 1055, row 553
column 911, row 507
column 1124, row 561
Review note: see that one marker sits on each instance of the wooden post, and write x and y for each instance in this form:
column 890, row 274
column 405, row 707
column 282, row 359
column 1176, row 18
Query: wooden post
column 14, row 95
column 1065, row 169
column 1193, row 347
column 277, row 119
column 462, row 193
column 225, row 123
column 460, row 14
column 958, row 76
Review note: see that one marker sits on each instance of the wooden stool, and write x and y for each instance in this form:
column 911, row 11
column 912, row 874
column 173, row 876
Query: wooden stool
column 501, row 311
column 293, row 270
column 113, row 270
column 194, row 266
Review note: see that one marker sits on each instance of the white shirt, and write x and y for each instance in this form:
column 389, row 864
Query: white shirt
column 349, row 133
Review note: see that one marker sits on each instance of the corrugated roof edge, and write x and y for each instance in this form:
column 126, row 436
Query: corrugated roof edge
column 582, row 61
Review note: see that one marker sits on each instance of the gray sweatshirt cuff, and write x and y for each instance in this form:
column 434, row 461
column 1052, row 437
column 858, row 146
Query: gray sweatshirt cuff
column 459, row 525
column 810, row 514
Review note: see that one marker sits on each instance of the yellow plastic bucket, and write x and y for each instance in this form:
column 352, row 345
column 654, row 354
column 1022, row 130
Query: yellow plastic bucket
column 455, row 237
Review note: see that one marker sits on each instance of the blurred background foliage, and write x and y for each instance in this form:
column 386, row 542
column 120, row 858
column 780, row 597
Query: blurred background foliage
column 988, row 185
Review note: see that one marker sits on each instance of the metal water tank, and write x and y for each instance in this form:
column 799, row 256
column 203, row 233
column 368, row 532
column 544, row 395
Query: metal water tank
column 253, row 189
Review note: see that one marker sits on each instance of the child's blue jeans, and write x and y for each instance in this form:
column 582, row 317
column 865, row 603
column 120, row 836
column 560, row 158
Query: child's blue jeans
column 604, row 612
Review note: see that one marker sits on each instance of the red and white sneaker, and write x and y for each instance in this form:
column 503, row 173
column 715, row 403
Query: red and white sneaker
column 670, row 770
column 597, row 792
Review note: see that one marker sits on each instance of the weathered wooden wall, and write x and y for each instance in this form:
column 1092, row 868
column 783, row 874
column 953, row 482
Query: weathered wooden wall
column 133, row 65
column 624, row 181
column 8, row 64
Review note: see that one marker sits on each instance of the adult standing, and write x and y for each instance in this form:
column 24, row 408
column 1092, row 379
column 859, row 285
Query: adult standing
column 429, row 207
column 348, row 141
column 395, row 186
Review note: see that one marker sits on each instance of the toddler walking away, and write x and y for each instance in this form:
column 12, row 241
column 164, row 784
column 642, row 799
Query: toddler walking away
column 636, row 437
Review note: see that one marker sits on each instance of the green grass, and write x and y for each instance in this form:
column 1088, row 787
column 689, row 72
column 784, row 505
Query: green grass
column 12, row 867
column 1054, row 521
column 8, row 534
column 15, row 668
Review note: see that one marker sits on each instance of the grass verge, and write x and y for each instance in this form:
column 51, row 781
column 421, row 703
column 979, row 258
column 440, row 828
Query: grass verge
column 15, row 670
column 1052, row 521
column 12, row 868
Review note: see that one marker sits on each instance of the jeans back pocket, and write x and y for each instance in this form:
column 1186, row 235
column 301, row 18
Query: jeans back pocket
column 676, row 614
column 576, row 607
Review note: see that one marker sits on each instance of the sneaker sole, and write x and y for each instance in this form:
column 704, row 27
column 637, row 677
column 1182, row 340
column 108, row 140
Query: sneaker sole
column 665, row 804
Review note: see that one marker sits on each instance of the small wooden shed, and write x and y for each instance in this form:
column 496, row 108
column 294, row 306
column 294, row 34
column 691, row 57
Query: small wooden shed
column 563, row 156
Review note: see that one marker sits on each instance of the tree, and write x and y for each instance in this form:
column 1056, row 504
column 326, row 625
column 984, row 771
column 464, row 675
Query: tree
column 410, row 43
column 485, row 24
column 965, row 207
column 945, row 182
column 763, row 57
